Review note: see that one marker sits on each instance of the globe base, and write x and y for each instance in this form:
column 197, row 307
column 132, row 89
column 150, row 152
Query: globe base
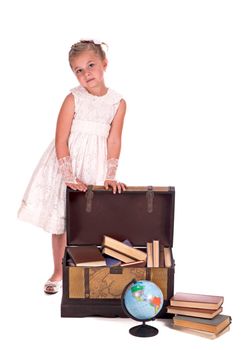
column 143, row 330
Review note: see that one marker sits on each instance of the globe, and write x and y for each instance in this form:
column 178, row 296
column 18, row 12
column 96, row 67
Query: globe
column 142, row 301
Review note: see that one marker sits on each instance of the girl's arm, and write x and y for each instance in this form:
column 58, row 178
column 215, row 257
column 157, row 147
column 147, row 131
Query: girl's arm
column 63, row 127
column 114, row 147
column 64, row 123
column 114, row 138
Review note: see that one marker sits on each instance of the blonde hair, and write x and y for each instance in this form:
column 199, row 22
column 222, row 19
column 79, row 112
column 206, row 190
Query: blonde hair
column 85, row 45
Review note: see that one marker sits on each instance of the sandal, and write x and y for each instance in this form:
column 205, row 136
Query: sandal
column 52, row 287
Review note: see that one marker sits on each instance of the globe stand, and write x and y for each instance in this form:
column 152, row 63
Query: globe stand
column 143, row 330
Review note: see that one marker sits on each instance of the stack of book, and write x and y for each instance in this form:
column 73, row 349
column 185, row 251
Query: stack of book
column 198, row 312
column 122, row 253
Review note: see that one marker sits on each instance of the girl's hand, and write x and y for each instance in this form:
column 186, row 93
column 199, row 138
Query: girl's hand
column 78, row 185
column 115, row 185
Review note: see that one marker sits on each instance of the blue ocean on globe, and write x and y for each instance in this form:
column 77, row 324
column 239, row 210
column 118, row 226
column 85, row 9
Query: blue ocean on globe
column 143, row 300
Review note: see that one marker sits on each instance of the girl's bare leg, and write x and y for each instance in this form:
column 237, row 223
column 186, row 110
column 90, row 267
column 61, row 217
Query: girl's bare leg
column 58, row 246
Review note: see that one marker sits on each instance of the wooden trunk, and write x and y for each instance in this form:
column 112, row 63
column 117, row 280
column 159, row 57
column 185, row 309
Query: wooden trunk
column 141, row 214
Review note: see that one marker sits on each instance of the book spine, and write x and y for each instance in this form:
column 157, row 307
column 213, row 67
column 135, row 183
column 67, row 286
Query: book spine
column 149, row 254
column 155, row 253
column 167, row 257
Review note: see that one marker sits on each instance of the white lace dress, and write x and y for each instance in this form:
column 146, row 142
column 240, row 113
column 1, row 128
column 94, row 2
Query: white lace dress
column 43, row 203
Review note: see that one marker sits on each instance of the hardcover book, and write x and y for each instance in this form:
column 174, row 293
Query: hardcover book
column 189, row 311
column 86, row 256
column 110, row 261
column 136, row 263
column 167, row 257
column 149, row 254
column 201, row 301
column 122, row 248
column 214, row 325
column 155, row 245
column 117, row 255
column 161, row 256
column 203, row 334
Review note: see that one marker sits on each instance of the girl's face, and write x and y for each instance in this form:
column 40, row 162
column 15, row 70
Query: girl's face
column 89, row 69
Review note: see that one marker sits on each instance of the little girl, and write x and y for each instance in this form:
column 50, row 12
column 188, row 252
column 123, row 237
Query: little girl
column 85, row 151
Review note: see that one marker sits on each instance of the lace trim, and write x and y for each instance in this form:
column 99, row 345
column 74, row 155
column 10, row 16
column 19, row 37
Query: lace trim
column 65, row 168
column 112, row 165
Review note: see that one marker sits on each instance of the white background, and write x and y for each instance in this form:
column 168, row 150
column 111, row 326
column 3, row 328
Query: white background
column 179, row 65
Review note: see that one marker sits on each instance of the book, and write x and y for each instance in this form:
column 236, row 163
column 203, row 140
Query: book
column 70, row 262
column 149, row 254
column 117, row 255
column 189, row 311
column 155, row 245
column 200, row 301
column 122, row 248
column 214, row 325
column 137, row 263
column 199, row 333
column 161, row 256
column 86, row 256
column 167, row 257
column 127, row 242
column 113, row 261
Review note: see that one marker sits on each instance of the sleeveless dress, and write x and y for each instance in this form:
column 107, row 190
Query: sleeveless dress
column 43, row 203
